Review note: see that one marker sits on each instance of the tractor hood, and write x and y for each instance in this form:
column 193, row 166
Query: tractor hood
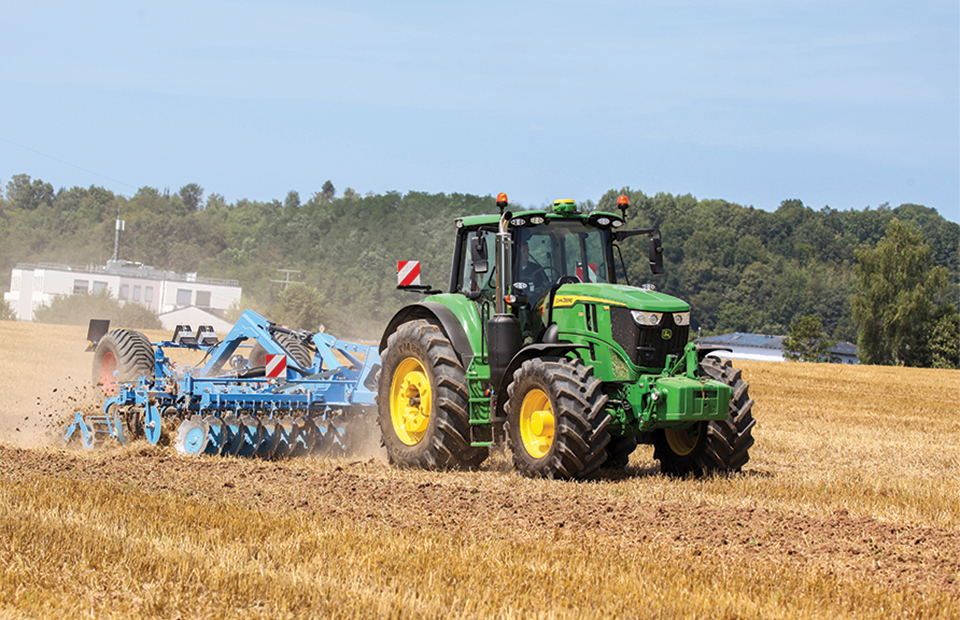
column 618, row 295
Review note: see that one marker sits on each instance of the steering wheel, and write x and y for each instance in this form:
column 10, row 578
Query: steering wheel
column 539, row 276
column 567, row 279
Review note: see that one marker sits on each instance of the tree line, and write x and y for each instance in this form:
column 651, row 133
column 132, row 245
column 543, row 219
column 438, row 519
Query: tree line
column 741, row 268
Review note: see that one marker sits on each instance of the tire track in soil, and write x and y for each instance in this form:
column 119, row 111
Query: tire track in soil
column 899, row 556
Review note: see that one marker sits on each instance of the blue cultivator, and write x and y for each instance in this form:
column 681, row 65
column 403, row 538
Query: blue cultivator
column 295, row 393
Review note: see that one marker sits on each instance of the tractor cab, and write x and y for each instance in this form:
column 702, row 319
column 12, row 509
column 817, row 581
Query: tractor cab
column 546, row 249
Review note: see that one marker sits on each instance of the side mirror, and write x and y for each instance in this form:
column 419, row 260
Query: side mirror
column 478, row 252
column 656, row 256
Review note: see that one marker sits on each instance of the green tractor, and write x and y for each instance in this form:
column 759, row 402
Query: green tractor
column 537, row 344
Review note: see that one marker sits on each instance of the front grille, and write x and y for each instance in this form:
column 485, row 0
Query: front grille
column 646, row 346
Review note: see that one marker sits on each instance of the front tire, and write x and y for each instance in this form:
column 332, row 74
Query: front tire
column 556, row 419
column 716, row 446
column 423, row 401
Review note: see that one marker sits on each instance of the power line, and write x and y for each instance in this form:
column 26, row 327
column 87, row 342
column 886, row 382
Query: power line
column 66, row 163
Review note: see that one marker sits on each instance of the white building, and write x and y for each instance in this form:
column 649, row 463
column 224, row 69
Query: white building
column 161, row 291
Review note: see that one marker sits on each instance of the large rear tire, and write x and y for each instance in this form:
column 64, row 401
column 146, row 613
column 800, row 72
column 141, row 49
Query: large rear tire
column 122, row 355
column 422, row 401
column 717, row 446
column 618, row 452
column 556, row 420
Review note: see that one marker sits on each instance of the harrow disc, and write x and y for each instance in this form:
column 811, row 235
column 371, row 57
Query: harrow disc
column 216, row 434
column 113, row 412
column 306, row 438
column 153, row 424
column 132, row 416
column 232, row 434
column 193, row 435
column 89, row 439
column 270, row 437
column 251, row 436
column 287, row 432
column 331, row 438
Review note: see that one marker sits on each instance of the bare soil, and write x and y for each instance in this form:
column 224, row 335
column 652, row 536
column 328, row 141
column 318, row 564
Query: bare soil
column 897, row 556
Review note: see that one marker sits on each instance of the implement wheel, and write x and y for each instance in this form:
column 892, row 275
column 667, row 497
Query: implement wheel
column 556, row 420
column 711, row 447
column 422, row 399
column 121, row 355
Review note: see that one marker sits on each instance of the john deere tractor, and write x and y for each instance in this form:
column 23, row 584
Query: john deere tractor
column 538, row 343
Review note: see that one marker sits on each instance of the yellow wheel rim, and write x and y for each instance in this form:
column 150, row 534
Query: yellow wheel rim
column 410, row 401
column 682, row 442
column 536, row 423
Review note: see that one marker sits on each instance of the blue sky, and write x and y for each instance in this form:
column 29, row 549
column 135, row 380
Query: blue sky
column 846, row 104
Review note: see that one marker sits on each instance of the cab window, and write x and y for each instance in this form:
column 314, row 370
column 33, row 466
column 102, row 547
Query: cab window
column 467, row 280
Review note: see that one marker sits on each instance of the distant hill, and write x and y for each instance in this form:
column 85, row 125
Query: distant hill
column 742, row 269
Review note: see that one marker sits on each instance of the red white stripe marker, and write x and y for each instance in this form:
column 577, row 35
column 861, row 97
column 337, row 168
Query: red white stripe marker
column 276, row 365
column 408, row 272
column 591, row 272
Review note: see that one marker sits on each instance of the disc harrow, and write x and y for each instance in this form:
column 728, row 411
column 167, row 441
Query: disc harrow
column 270, row 404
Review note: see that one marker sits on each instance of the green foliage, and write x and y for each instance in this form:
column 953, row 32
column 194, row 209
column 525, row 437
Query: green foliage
column 6, row 312
column 896, row 298
column 741, row 268
column 944, row 343
column 191, row 195
column 299, row 307
column 292, row 201
column 26, row 195
column 79, row 309
column 807, row 342
column 328, row 192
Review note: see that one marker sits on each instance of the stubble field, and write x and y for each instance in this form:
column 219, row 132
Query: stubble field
column 849, row 508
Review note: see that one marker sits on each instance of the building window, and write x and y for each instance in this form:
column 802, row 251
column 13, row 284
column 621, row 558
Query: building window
column 99, row 286
column 203, row 299
column 183, row 296
column 15, row 286
column 136, row 292
column 81, row 287
column 124, row 291
column 148, row 294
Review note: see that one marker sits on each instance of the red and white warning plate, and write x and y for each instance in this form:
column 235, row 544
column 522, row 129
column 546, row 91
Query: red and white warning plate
column 276, row 365
column 408, row 272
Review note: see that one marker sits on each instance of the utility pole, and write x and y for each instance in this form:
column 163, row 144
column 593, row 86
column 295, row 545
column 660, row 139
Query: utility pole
column 286, row 278
column 121, row 225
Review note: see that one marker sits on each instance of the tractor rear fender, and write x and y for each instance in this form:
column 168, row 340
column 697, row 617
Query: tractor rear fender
column 526, row 353
column 450, row 318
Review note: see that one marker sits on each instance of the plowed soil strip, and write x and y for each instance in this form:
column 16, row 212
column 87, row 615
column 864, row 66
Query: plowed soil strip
column 898, row 557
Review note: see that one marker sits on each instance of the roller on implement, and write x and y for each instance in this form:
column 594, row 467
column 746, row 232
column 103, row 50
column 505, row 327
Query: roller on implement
column 295, row 393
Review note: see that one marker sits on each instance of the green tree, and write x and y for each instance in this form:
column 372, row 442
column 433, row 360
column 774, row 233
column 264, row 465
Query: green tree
column 6, row 312
column 22, row 193
column 192, row 195
column 807, row 341
column 944, row 342
column 327, row 192
column 292, row 201
column 299, row 307
column 895, row 302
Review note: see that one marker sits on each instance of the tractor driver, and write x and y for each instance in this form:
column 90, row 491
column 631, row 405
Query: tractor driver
column 530, row 271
